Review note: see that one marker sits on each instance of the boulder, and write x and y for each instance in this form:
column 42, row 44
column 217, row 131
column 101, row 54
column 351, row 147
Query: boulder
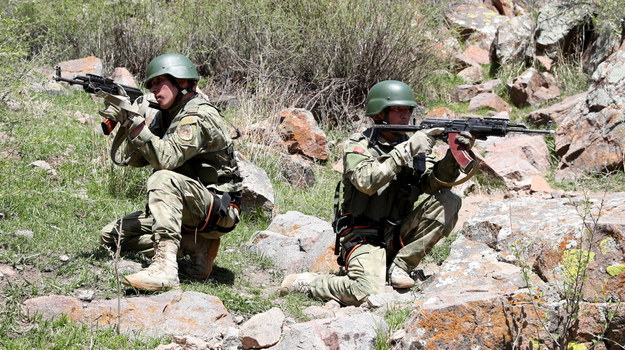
column 474, row 56
column 262, row 330
column 482, row 298
column 464, row 93
column 545, row 232
column 513, row 41
column 167, row 314
column 471, row 74
column 440, row 113
column 556, row 112
column 297, row 242
column 477, row 22
column 354, row 332
column 122, row 76
column 81, row 66
column 257, row 189
column 591, row 137
column 517, row 159
column 297, row 170
column 490, row 101
column 560, row 23
column 302, row 135
column 533, row 88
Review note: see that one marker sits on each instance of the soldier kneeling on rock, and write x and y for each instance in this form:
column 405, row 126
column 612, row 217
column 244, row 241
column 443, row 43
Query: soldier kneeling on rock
column 195, row 189
column 383, row 236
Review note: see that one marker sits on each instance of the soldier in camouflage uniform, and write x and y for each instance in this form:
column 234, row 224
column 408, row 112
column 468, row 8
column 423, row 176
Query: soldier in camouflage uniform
column 383, row 235
column 195, row 189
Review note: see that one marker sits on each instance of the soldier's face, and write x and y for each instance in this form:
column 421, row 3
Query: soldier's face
column 164, row 91
column 399, row 115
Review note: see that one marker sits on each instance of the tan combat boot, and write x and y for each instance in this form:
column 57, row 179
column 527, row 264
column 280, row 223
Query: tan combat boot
column 202, row 252
column 162, row 273
column 399, row 278
column 297, row 282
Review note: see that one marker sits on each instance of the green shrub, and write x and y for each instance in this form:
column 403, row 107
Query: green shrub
column 323, row 55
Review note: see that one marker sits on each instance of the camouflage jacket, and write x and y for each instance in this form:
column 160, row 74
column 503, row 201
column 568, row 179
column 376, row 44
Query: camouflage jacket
column 190, row 139
column 377, row 188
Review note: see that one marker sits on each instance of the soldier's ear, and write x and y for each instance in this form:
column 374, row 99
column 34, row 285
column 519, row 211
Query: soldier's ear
column 378, row 117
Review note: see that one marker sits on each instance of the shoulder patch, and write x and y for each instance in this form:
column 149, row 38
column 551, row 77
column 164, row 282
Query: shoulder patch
column 188, row 120
column 186, row 130
column 358, row 149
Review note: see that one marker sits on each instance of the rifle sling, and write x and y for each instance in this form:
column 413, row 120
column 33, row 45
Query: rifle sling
column 120, row 136
column 469, row 175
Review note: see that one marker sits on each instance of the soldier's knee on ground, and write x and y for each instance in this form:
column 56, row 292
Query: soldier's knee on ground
column 231, row 218
column 108, row 235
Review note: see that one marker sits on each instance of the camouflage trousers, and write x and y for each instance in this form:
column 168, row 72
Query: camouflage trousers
column 173, row 200
column 433, row 219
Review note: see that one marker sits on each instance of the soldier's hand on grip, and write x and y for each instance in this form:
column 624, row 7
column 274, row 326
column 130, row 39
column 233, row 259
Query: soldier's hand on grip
column 466, row 139
column 114, row 106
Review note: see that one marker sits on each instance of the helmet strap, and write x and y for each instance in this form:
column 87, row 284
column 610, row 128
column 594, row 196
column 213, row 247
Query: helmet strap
column 382, row 121
column 181, row 91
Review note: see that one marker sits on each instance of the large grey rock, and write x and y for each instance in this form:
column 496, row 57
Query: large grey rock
column 556, row 21
column 513, row 41
column 480, row 297
column 297, row 170
column 297, row 242
column 516, row 159
column 257, row 189
column 353, row 332
column 560, row 22
column 546, row 229
column 262, row 330
column 171, row 313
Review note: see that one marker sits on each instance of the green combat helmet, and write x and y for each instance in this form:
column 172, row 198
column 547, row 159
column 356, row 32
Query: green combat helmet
column 174, row 64
column 389, row 93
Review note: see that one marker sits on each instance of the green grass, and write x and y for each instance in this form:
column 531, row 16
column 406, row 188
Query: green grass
column 61, row 334
column 395, row 318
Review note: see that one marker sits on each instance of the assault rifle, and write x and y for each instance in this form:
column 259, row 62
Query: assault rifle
column 481, row 128
column 92, row 84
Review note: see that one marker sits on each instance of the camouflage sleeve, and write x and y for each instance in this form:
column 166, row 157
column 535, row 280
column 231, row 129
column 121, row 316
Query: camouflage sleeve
column 366, row 172
column 134, row 157
column 195, row 133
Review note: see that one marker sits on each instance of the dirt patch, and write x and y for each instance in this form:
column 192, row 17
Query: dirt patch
column 18, row 277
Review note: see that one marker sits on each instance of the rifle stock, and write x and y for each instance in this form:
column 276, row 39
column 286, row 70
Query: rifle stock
column 481, row 128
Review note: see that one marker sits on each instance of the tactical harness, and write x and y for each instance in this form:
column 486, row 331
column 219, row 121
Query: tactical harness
column 345, row 223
